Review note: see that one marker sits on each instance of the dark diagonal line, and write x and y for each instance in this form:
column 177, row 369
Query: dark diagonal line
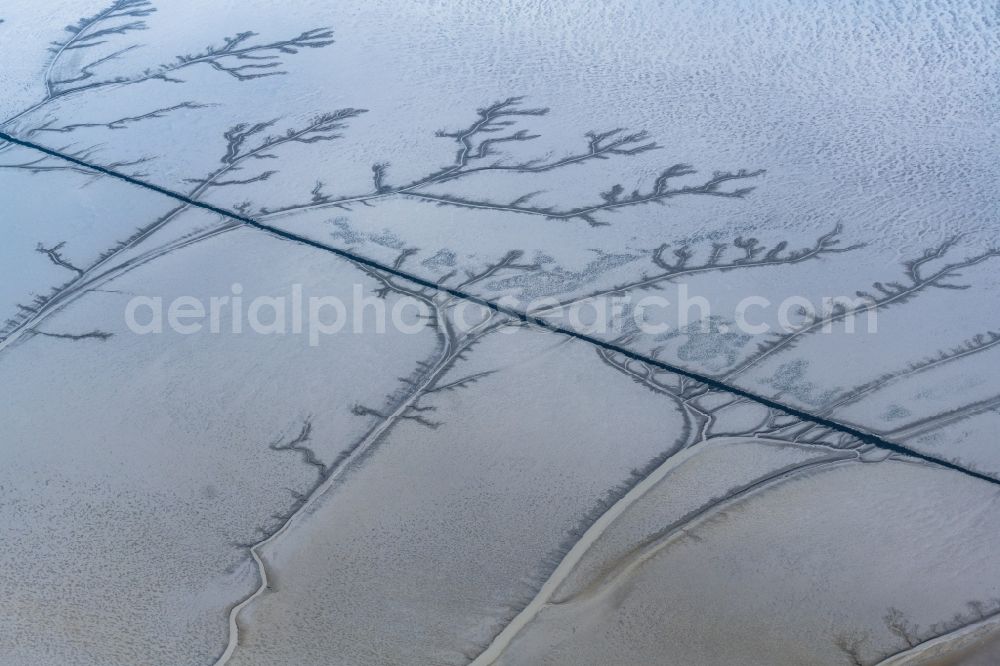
column 866, row 437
